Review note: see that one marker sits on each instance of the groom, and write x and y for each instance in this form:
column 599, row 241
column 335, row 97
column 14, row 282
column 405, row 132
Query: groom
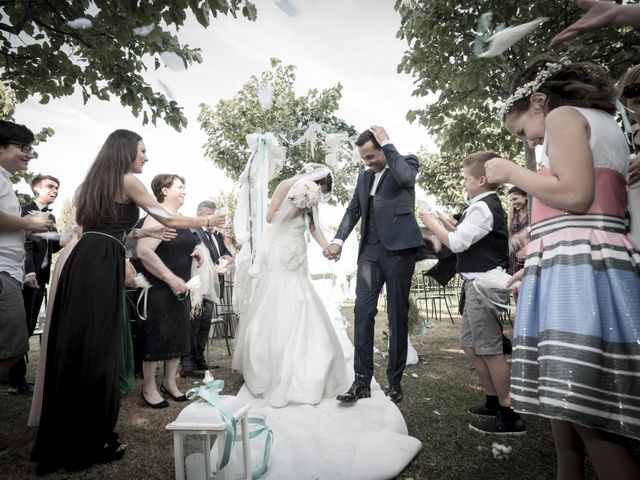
column 384, row 198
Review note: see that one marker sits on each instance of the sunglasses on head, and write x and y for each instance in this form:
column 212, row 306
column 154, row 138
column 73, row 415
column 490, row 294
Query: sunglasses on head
column 631, row 91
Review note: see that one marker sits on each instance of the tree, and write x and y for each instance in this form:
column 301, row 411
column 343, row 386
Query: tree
column 51, row 48
column 230, row 121
column 440, row 56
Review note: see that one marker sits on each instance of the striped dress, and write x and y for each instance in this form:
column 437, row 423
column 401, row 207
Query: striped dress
column 577, row 330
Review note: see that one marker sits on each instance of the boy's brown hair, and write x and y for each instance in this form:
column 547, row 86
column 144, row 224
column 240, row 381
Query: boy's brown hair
column 475, row 165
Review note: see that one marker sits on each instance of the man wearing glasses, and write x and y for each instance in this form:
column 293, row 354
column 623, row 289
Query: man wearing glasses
column 15, row 154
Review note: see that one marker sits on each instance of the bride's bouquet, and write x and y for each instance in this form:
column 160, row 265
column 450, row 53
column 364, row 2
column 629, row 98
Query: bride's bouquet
column 304, row 194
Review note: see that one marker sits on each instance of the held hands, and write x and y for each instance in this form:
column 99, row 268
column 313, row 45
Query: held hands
column 332, row 251
column 380, row 133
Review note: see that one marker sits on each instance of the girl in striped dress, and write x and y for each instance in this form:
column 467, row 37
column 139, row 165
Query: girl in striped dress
column 576, row 359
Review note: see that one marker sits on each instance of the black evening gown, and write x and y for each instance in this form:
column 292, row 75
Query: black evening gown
column 81, row 389
column 166, row 332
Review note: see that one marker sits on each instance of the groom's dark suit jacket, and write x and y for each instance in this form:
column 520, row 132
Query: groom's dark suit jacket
column 394, row 202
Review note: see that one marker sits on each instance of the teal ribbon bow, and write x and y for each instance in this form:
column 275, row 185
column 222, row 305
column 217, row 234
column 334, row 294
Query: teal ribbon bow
column 209, row 392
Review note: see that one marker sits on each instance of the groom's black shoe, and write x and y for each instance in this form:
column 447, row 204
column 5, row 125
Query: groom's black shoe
column 357, row 391
column 395, row 393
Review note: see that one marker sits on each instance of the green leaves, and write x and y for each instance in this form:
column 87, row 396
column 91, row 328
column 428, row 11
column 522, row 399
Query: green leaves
column 439, row 55
column 230, row 121
column 52, row 59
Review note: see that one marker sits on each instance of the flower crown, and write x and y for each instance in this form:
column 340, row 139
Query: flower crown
column 528, row 88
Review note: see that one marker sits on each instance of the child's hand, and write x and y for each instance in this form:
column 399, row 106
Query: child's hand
column 514, row 283
column 498, row 170
column 428, row 219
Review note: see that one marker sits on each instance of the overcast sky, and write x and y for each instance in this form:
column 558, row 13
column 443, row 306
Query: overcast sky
column 348, row 41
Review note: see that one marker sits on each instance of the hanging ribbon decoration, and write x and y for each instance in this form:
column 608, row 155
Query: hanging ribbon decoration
column 262, row 427
column 142, row 283
column 209, row 392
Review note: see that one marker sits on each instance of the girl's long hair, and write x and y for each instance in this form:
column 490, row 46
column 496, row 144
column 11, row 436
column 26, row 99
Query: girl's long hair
column 102, row 189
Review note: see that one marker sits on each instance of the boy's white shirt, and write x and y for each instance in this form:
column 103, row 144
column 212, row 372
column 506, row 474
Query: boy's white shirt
column 477, row 223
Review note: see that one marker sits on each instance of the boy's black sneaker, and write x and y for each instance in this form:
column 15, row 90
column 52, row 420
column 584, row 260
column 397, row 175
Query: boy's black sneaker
column 483, row 410
column 495, row 426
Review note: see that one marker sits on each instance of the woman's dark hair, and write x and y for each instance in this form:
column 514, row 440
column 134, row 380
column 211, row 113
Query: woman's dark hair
column 101, row 191
column 163, row 180
column 328, row 181
column 582, row 84
column 517, row 191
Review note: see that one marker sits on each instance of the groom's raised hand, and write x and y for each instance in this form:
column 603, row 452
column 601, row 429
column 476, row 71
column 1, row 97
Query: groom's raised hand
column 380, row 133
column 332, row 251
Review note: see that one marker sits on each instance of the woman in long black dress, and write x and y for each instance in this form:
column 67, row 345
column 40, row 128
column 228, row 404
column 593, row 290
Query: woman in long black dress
column 165, row 332
column 81, row 398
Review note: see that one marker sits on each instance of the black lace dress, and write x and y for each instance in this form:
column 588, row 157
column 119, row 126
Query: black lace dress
column 165, row 333
column 81, row 390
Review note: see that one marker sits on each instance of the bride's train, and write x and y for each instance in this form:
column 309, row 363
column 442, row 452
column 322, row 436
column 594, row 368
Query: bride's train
column 368, row 440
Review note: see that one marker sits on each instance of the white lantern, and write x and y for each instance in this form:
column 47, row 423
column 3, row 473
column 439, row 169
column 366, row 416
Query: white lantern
column 199, row 440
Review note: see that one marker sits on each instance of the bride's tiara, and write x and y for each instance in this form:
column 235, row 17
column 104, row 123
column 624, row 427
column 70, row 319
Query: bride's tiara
column 528, row 88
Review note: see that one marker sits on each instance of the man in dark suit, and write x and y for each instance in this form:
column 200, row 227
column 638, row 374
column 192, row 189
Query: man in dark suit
column 384, row 198
column 195, row 362
column 37, row 267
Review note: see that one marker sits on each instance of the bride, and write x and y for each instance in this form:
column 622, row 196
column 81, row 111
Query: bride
column 287, row 349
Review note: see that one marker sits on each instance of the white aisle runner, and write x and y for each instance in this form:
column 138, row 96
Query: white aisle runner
column 331, row 441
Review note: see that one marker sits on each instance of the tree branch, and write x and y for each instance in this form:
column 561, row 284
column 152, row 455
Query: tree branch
column 63, row 33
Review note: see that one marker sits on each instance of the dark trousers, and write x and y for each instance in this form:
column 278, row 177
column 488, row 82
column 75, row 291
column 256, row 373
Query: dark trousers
column 200, row 325
column 32, row 302
column 377, row 266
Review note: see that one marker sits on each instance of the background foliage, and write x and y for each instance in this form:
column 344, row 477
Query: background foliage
column 230, row 121
column 42, row 54
column 439, row 36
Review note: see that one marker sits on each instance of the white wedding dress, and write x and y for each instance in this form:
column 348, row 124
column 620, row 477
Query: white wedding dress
column 287, row 348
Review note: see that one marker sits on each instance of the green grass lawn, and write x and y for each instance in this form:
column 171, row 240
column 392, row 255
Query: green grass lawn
column 437, row 393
